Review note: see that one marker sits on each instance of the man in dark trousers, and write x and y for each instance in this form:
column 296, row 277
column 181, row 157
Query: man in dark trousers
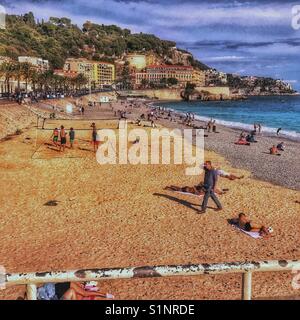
column 210, row 184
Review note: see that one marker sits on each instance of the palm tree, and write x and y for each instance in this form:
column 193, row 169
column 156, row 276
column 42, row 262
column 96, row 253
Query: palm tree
column 7, row 71
column 28, row 73
column 17, row 73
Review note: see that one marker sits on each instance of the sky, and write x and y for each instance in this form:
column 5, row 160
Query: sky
column 245, row 37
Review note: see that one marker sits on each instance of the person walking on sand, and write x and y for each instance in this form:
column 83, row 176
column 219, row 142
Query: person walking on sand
column 63, row 139
column 210, row 186
column 72, row 137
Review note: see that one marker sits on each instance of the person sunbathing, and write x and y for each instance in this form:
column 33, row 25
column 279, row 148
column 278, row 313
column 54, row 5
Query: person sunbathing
column 244, row 223
column 197, row 190
column 274, row 150
column 227, row 175
column 243, row 142
column 80, row 291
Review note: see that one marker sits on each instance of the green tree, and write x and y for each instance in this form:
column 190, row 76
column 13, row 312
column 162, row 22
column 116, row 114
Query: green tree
column 188, row 91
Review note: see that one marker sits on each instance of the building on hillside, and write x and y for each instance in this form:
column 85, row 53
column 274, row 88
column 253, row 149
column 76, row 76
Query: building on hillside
column 155, row 73
column 103, row 74
column 66, row 74
column 40, row 64
column 198, row 78
column 215, row 78
column 100, row 73
column 80, row 65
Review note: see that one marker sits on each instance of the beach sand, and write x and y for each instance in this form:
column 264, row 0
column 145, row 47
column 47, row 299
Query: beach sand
column 119, row 216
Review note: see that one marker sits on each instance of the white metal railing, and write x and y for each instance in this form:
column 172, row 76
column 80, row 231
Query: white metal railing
column 246, row 268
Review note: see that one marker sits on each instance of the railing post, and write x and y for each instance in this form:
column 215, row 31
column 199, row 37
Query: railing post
column 247, row 285
column 31, row 292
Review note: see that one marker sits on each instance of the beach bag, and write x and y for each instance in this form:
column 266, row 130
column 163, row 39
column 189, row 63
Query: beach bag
column 47, row 292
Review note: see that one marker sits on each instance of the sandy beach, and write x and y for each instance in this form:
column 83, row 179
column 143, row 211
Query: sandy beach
column 120, row 216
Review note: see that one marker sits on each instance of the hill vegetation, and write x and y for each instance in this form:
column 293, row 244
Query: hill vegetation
column 59, row 38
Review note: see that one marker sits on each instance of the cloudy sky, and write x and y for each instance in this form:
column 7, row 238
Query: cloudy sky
column 247, row 37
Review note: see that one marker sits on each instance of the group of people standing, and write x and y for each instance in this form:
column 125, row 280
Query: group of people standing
column 61, row 135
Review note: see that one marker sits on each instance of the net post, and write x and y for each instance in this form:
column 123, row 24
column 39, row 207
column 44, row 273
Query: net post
column 247, row 285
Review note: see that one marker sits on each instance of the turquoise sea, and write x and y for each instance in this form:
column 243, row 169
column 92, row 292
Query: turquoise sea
column 272, row 112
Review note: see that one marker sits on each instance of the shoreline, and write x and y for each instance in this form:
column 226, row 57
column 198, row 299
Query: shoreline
column 271, row 131
column 282, row 171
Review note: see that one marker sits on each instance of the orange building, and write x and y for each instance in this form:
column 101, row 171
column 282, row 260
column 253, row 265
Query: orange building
column 155, row 73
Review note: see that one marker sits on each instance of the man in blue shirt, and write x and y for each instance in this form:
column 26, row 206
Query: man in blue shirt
column 210, row 184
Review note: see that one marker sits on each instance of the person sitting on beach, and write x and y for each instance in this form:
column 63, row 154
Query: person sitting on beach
column 54, row 136
column 227, row 175
column 281, row 146
column 79, row 291
column 250, row 138
column 243, row 135
column 274, row 150
column 244, row 223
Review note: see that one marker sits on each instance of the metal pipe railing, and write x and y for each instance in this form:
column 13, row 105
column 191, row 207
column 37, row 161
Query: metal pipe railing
column 247, row 268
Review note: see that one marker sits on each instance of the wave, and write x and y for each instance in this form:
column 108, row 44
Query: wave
column 248, row 127
column 292, row 135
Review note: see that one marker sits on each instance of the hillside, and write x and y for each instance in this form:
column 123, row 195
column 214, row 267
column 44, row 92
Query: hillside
column 59, row 38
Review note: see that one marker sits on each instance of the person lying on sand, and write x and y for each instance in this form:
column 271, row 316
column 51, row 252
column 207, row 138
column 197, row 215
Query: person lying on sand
column 242, row 142
column 274, row 150
column 79, row 291
column 246, row 224
column 197, row 190
column 227, row 175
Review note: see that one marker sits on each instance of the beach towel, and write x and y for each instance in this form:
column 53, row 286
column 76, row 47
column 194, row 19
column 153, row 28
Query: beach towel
column 254, row 235
column 188, row 193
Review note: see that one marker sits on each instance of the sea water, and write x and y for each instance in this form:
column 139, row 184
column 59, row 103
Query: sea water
column 272, row 112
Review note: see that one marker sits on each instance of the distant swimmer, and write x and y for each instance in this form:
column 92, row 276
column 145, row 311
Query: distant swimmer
column 278, row 130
